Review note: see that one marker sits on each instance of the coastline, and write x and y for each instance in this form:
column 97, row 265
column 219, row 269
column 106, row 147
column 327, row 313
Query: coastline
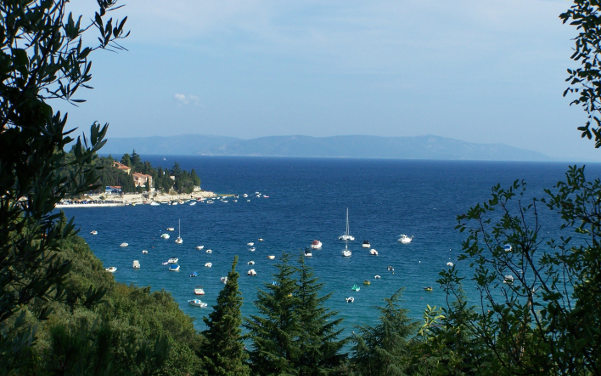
column 117, row 200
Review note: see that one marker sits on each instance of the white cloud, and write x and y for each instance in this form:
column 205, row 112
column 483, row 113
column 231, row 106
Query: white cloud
column 187, row 99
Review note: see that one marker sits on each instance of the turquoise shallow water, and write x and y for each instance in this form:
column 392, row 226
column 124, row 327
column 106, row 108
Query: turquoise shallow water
column 307, row 200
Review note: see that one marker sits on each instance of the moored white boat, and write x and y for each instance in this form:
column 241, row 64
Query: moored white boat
column 123, row 245
column 199, row 291
column 154, row 203
column 350, row 299
column 251, row 262
column 316, row 244
column 223, row 280
column 111, row 269
column 197, row 303
column 179, row 239
column 308, row 253
column 135, row 264
column 252, row 272
column 172, row 260
column 209, row 251
column 373, row 252
column 200, row 247
column 94, row 232
column 365, row 244
column 144, row 251
column 174, row 268
column 250, row 244
column 208, row 265
column 346, row 252
column 404, row 239
column 170, row 229
column 165, row 236
column 252, row 249
column 271, row 257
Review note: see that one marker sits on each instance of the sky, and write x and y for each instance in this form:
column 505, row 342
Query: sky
column 483, row 71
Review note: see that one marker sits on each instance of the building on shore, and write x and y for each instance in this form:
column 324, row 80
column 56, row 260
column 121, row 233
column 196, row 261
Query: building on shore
column 142, row 180
column 122, row 167
column 114, row 189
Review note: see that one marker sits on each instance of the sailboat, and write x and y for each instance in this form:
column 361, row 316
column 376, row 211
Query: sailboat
column 179, row 239
column 346, row 236
column 346, row 252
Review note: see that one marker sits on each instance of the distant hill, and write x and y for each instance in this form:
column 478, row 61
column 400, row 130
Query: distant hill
column 420, row 147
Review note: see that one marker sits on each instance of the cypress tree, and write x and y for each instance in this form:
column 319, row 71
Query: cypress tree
column 275, row 331
column 318, row 342
column 384, row 349
column 224, row 352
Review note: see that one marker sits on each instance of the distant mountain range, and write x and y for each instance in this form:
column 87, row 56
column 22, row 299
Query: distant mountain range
column 419, row 147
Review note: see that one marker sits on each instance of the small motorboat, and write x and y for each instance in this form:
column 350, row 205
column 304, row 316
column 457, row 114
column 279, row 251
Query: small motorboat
column 199, row 291
column 377, row 276
column 174, row 268
column 404, row 239
column 111, row 269
column 347, row 253
column 308, row 253
column 508, row 279
column 200, row 247
column 449, row 264
column 193, row 274
column 260, row 239
column 252, row 272
column 507, row 248
column 154, row 203
column 373, row 252
column 365, row 244
column 179, row 240
column 123, row 245
column 251, row 262
column 172, row 260
column 428, row 288
column 208, row 265
column 252, row 249
column 390, row 268
column 223, row 280
column 316, row 244
column 355, row 287
column 135, row 264
column 367, row 282
column 144, row 251
column 209, row 251
column 197, row 303
column 350, row 299
column 250, row 244
column 192, row 203
column 170, row 229
column 94, row 232
column 271, row 257
column 165, row 236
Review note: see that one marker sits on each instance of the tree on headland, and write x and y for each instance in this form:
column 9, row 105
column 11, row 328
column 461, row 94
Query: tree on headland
column 224, row 351
column 43, row 56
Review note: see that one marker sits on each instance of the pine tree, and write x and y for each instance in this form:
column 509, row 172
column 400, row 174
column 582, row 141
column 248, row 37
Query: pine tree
column 384, row 349
column 275, row 332
column 224, row 351
column 318, row 342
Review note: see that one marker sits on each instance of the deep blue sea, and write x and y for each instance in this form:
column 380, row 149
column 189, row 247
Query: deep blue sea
column 307, row 200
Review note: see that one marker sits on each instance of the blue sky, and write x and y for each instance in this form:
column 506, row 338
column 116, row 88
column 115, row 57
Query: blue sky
column 480, row 71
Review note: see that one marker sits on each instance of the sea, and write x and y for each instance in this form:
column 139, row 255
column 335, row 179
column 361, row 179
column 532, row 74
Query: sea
column 292, row 201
